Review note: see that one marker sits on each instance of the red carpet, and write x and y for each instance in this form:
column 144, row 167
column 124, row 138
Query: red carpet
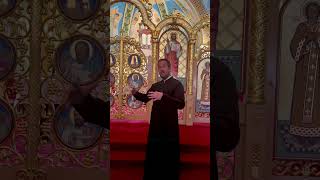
column 128, row 141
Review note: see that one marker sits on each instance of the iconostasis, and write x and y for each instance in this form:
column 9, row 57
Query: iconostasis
column 46, row 47
column 143, row 32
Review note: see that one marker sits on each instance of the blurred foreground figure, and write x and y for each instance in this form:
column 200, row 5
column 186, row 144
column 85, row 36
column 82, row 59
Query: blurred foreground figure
column 92, row 110
column 224, row 122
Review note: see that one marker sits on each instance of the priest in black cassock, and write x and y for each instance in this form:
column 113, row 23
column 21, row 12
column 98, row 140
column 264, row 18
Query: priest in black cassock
column 163, row 152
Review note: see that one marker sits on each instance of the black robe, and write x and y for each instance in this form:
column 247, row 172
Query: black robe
column 163, row 152
column 95, row 111
column 224, row 119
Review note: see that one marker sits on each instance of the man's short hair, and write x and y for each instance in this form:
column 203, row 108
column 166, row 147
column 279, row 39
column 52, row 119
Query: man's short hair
column 166, row 60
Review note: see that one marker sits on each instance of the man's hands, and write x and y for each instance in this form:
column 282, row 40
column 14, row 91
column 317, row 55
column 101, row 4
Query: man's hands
column 155, row 95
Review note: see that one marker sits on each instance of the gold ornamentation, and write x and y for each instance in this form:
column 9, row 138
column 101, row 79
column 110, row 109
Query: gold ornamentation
column 176, row 21
column 257, row 52
column 127, row 47
column 145, row 11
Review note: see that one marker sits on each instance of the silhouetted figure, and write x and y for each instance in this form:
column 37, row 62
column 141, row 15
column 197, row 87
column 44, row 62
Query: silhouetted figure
column 224, row 119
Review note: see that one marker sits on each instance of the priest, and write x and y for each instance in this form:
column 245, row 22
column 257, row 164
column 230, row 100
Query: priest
column 163, row 152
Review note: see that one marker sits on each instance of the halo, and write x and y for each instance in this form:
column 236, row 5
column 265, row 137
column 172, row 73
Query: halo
column 72, row 48
column 135, row 74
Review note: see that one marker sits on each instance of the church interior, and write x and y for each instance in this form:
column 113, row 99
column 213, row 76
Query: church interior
column 47, row 47
column 138, row 40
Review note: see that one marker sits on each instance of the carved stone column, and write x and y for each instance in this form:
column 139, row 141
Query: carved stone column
column 257, row 54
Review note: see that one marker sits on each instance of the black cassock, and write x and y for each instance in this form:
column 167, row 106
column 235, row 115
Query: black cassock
column 163, row 152
column 95, row 111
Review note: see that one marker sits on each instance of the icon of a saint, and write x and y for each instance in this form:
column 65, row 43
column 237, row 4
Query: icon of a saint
column 77, row 68
column 173, row 51
column 205, row 90
column 305, row 50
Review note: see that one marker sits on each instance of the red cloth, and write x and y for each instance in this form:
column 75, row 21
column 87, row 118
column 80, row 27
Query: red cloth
column 172, row 57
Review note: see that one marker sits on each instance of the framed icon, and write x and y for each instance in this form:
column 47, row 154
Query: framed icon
column 6, row 121
column 7, row 57
column 80, row 60
column 72, row 130
column 134, row 61
column 135, row 80
column 133, row 103
column 79, row 10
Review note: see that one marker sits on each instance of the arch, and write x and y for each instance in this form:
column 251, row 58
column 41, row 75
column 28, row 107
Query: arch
column 175, row 21
column 204, row 22
column 143, row 10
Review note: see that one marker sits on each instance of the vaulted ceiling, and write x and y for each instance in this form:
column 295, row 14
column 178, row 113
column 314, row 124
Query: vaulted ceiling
column 123, row 14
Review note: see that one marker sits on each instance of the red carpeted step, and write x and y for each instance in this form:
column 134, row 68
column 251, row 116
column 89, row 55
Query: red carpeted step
column 128, row 132
column 128, row 143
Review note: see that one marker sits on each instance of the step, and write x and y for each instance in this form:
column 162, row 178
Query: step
column 197, row 158
column 140, row 163
column 120, row 146
column 136, row 173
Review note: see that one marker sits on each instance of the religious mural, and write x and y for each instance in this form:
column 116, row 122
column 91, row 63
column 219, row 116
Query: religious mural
column 203, row 86
column 298, row 98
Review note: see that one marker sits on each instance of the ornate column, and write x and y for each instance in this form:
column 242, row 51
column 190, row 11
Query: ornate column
column 31, row 170
column 190, row 105
column 120, row 114
column 257, row 55
column 256, row 148
column 155, row 55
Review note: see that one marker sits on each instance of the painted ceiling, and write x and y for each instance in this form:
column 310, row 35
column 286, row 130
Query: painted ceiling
column 125, row 16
